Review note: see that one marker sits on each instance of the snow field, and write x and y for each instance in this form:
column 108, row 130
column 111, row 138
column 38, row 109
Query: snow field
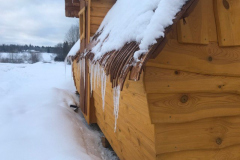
column 36, row 121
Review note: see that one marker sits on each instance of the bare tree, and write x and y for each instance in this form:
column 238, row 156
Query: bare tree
column 72, row 35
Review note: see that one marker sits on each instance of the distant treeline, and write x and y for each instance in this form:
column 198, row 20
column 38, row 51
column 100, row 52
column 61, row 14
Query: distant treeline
column 61, row 49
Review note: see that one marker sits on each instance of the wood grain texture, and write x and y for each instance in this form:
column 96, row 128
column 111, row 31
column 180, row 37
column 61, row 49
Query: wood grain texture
column 159, row 80
column 168, row 108
column 194, row 29
column 126, row 131
column 76, row 75
column 99, row 9
column 207, row 134
column 227, row 20
column 90, row 117
column 103, row 3
column 210, row 59
column 96, row 20
column 133, row 102
column 229, row 153
column 88, row 21
column 93, row 29
column 212, row 28
column 134, row 138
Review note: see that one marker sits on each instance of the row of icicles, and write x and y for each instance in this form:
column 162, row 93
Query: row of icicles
column 97, row 77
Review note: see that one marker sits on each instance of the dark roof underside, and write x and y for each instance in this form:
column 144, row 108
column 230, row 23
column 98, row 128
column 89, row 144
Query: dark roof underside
column 72, row 7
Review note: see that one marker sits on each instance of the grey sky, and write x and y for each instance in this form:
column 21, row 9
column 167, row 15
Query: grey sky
column 36, row 22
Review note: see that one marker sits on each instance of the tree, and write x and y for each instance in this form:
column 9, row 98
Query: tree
column 59, row 51
column 66, row 49
column 48, row 50
column 72, row 35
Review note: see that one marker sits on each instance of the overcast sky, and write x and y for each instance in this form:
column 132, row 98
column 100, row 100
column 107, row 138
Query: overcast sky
column 36, row 22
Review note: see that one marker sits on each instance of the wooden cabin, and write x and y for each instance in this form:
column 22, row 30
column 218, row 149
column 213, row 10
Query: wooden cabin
column 181, row 100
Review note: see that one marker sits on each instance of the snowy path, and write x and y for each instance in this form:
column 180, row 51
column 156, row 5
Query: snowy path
column 35, row 119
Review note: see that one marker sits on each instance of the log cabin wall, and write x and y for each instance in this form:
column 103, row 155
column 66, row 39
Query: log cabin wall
column 134, row 138
column 193, row 87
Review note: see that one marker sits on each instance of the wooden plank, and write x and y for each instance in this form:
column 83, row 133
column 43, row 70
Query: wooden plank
column 121, row 148
column 99, row 11
column 125, row 131
column 82, row 23
column 229, row 153
column 171, row 108
column 88, row 108
column 210, row 59
column 133, row 124
column 93, row 28
column 227, row 19
column 132, row 103
column 133, row 117
column 96, row 20
column 208, row 134
column 88, row 21
column 212, row 28
column 103, row 3
column 83, row 92
column 76, row 75
column 132, row 97
column 90, row 117
column 159, row 80
column 194, row 29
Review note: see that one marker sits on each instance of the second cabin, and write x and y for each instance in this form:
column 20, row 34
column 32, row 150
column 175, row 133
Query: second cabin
column 161, row 78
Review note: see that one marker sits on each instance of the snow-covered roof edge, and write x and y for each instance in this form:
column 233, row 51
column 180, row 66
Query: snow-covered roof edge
column 75, row 48
column 118, row 60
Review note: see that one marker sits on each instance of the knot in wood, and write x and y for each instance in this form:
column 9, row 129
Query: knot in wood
column 219, row 141
column 226, row 4
column 210, row 59
column 184, row 99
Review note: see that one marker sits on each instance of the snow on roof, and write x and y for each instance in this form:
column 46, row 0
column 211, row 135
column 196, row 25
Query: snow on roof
column 142, row 21
column 74, row 49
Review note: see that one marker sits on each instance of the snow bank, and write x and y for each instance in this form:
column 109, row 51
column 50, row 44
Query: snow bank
column 142, row 21
column 47, row 57
column 36, row 121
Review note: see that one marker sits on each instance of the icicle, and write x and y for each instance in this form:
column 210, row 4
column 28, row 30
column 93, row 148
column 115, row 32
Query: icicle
column 95, row 75
column 98, row 74
column 116, row 96
column 80, row 72
column 82, row 62
column 103, row 86
column 84, row 70
column 91, row 68
column 66, row 60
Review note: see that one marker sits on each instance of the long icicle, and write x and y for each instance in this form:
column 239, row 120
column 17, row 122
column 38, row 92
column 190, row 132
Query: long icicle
column 91, row 68
column 84, row 70
column 95, row 75
column 116, row 97
column 80, row 72
column 103, row 87
column 98, row 74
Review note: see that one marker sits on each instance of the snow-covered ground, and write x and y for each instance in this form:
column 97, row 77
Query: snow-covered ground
column 36, row 122
column 26, row 57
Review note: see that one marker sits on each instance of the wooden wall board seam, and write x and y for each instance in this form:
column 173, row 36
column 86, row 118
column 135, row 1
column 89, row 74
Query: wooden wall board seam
column 160, row 80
